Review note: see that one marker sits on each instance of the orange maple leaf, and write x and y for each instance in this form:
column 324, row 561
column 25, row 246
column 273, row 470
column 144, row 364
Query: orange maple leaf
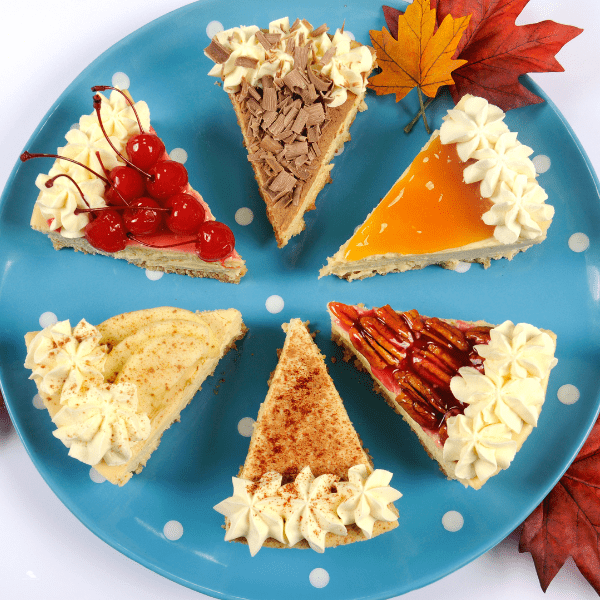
column 421, row 57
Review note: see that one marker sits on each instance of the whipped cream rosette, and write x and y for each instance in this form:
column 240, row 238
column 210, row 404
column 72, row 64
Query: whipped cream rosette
column 63, row 360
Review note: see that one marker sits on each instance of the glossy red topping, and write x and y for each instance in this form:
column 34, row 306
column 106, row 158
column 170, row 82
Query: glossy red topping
column 186, row 214
column 144, row 150
column 167, row 178
column 215, row 241
column 415, row 357
column 140, row 219
column 107, row 231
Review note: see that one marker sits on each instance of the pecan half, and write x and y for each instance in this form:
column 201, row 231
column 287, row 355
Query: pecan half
column 382, row 335
column 346, row 314
column 454, row 335
column 395, row 322
column 359, row 342
column 479, row 335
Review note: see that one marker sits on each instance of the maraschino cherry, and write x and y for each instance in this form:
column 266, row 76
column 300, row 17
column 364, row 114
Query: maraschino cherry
column 143, row 216
column 107, row 231
column 215, row 241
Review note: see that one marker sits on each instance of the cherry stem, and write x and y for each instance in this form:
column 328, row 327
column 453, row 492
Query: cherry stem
column 51, row 181
column 106, row 171
column 28, row 155
column 136, row 239
column 97, row 104
column 103, row 88
column 422, row 110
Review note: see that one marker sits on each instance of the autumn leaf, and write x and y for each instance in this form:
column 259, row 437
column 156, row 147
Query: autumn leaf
column 498, row 51
column 567, row 522
column 420, row 56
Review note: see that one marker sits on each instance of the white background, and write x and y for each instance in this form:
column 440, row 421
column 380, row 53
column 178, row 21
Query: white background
column 45, row 552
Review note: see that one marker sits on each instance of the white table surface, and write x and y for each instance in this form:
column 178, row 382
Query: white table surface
column 46, row 552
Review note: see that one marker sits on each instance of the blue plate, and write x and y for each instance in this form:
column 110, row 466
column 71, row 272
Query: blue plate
column 550, row 286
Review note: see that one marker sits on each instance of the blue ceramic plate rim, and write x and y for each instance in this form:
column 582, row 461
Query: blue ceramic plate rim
column 95, row 527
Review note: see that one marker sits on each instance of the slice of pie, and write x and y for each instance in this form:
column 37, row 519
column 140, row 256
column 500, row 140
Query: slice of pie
column 295, row 91
column 113, row 390
column 471, row 391
column 307, row 480
column 180, row 236
column 470, row 195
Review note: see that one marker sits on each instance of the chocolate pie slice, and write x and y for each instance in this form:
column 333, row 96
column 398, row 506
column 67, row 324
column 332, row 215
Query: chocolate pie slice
column 114, row 389
column 471, row 391
column 307, row 480
column 295, row 91
column 469, row 195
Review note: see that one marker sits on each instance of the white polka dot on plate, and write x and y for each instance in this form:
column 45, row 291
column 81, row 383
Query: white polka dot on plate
column 462, row 267
column 568, row 394
column 178, row 155
column 339, row 151
column 96, row 477
column 274, row 304
column 120, row 80
column 349, row 34
column 319, row 578
column 246, row 426
column 74, row 126
column 38, row 402
column 47, row 319
column 541, row 162
column 154, row 275
column 579, row 242
column 213, row 28
column 173, row 530
column 452, row 521
column 244, row 216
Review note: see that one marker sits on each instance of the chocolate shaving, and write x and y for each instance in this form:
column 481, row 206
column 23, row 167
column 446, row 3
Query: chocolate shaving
column 284, row 182
column 269, row 99
column 262, row 38
column 278, row 125
column 320, row 84
column 300, row 121
column 217, row 52
column 290, row 44
column 268, row 119
column 253, row 106
column 301, row 57
column 275, row 166
column 319, row 31
column 270, row 145
column 295, row 25
column 315, row 114
column 296, row 195
column 254, row 93
column 327, row 56
column 313, row 134
column 294, row 79
column 244, row 91
column 307, row 24
column 246, row 61
column 316, row 149
column 296, row 149
column 273, row 38
column 309, row 95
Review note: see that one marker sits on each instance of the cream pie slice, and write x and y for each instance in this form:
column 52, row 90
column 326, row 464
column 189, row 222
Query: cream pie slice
column 180, row 236
column 295, row 91
column 307, row 480
column 471, row 391
column 113, row 390
column 469, row 195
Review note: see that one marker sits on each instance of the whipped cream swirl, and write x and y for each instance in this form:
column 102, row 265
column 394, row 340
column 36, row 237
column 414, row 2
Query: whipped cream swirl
column 102, row 424
column 479, row 448
column 346, row 66
column 369, row 497
column 309, row 509
column 65, row 360
column 254, row 511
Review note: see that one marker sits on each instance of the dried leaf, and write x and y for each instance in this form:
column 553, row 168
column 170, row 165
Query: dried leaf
column 567, row 522
column 420, row 56
column 498, row 51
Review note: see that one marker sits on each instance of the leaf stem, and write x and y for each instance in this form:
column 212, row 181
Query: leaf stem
column 422, row 110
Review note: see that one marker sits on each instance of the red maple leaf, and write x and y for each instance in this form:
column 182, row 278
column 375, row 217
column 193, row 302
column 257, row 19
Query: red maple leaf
column 567, row 522
column 497, row 50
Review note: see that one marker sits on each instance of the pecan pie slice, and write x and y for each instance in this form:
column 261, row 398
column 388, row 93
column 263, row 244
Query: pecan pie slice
column 471, row 391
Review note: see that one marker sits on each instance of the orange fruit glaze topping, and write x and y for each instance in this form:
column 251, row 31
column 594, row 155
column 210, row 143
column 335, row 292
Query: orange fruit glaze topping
column 429, row 209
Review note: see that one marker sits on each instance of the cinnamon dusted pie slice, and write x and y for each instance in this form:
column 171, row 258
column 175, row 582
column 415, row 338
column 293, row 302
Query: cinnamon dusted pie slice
column 469, row 195
column 70, row 188
column 471, row 391
column 295, row 91
column 113, row 390
column 307, row 480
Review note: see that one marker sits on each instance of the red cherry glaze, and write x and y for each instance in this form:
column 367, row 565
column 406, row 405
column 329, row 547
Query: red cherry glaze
column 127, row 185
column 186, row 214
column 215, row 241
column 140, row 219
column 144, row 150
column 107, row 231
column 167, row 178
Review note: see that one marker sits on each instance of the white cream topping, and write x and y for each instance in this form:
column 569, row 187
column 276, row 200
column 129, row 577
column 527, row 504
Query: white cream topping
column 58, row 204
column 348, row 67
column 62, row 359
column 500, row 401
column 102, row 424
column 370, row 494
column 473, row 125
column 502, row 166
column 518, row 210
column 520, row 351
column 118, row 119
column 254, row 511
column 309, row 509
column 511, row 401
column 480, row 449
